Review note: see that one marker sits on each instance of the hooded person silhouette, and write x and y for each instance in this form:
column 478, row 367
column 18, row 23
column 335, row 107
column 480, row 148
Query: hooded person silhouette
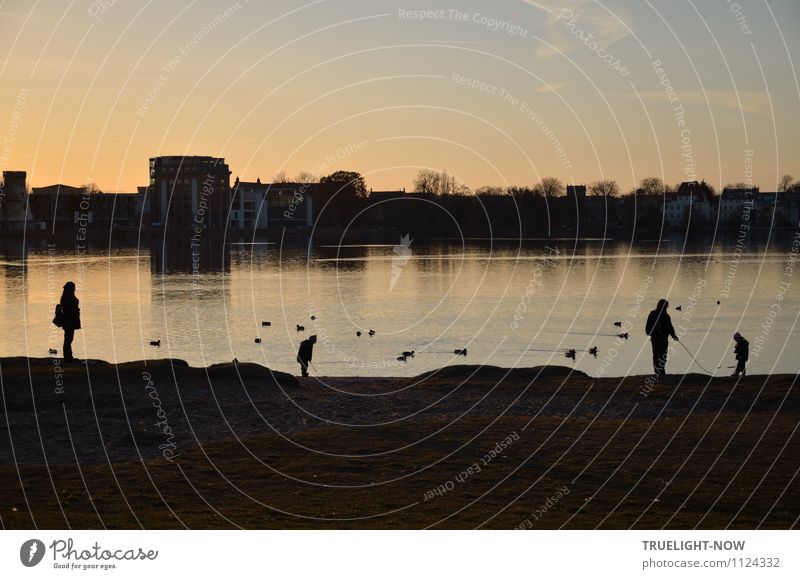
column 304, row 354
column 742, row 351
column 70, row 318
column 659, row 328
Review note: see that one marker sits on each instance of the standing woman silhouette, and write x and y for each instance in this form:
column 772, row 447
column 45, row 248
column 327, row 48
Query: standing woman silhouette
column 71, row 318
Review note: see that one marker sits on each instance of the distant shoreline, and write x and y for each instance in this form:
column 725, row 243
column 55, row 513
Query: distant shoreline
column 387, row 235
column 465, row 371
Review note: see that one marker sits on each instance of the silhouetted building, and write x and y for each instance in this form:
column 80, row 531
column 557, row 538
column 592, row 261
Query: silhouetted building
column 692, row 202
column 576, row 192
column 61, row 207
column 642, row 210
column 120, row 210
column 736, row 204
column 378, row 196
column 759, row 209
column 260, row 206
column 14, row 210
column 601, row 211
column 189, row 192
column 64, row 208
column 768, row 210
column 790, row 201
column 595, row 212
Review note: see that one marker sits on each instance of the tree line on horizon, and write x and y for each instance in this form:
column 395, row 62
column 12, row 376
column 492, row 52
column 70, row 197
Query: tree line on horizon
column 429, row 181
column 433, row 182
column 342, row 198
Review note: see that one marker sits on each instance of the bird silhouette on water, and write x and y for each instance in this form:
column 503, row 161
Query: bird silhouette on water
column 156, row 343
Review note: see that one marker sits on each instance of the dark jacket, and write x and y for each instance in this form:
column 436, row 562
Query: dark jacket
column 70, row 311
column 305, row 351
column 742, row 349
column 663, row 327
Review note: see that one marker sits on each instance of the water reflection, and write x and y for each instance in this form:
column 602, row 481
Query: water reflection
column 198, row 255
column 502, row 299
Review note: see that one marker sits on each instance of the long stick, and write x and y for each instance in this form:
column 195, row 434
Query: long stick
column 548, row 351
column 312, row 365
column 565, row 350
column 693, row 358
column 748, row 363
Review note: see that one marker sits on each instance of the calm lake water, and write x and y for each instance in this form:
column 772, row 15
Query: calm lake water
column 501, row 300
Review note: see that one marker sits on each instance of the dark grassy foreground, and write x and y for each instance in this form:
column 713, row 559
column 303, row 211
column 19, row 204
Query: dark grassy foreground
column 255, row 449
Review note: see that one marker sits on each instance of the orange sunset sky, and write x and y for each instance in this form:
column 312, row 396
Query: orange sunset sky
column 500, row 93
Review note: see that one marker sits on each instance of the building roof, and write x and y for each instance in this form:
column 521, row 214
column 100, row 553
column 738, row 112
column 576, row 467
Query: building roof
column 698, row 192
column 189, row 158
column 57, row 189
column 739, row 193
column 276, row 187
column 386, row 194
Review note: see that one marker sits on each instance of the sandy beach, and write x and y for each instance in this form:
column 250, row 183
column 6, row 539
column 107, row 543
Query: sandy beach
column 165, row 445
